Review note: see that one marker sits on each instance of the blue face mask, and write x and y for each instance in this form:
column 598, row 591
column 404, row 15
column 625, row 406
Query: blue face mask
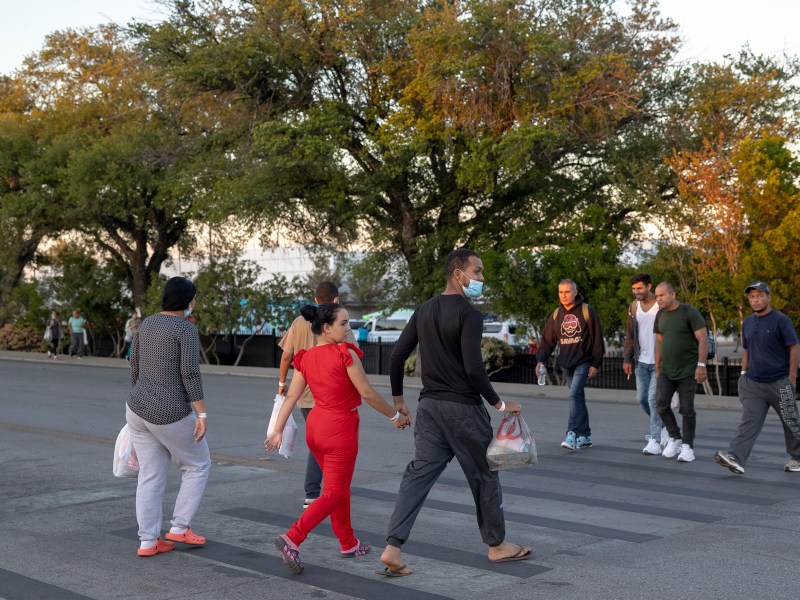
column 474, row 289
column 187, row 312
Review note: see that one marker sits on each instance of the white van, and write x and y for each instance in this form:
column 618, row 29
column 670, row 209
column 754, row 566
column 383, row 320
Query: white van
column 503, row 330
column 386, row 328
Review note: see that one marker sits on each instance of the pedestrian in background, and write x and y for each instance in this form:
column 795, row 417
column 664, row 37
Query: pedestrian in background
column 53, row 331
column 681, row 351
column 131, row 326
column 770, row 357
column 576, row 330
column 333, row 371
column 166, row 413
column 639, row 357
column 301, row 337
column 77, row 333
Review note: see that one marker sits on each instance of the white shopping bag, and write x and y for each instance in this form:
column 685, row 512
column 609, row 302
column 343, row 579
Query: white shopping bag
column 289, row 432
column 125, row 462
column 513, row 445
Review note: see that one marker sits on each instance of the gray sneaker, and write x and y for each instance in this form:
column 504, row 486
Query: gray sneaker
column 729, row 461
column 793, row 465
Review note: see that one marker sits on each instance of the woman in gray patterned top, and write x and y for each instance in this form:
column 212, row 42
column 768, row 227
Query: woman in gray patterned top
column 165, row 374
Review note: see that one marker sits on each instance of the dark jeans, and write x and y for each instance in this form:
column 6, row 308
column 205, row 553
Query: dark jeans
column 665, row 388
column 756, row 398
column 443, row 430
column 313, row 482
column 54, row 345
column 76, row 344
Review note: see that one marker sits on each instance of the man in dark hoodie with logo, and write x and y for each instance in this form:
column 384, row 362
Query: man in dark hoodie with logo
column 574, row 327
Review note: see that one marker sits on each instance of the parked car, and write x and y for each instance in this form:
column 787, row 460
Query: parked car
column 503, row 330
column 386, row 328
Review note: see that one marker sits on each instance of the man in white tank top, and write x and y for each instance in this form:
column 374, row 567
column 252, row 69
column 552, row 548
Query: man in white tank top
column 639, row 356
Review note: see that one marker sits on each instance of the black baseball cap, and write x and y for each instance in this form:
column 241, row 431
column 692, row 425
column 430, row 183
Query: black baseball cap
column 757, row 285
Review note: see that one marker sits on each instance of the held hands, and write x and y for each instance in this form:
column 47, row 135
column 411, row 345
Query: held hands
column 402, row 422
column 273, row 441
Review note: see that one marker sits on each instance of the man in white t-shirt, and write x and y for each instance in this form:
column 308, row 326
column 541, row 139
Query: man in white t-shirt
column 640, row 343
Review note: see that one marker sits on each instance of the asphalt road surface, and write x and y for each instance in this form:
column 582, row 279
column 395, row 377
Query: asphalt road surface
column 605, row 522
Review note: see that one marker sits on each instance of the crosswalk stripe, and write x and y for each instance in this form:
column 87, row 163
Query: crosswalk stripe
column 644, row 509
column 423, row 550
column 674, row 489
column 584, row 528
column 14, row 585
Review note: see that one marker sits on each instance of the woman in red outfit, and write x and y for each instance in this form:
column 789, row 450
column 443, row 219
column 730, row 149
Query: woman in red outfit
column 333, row 371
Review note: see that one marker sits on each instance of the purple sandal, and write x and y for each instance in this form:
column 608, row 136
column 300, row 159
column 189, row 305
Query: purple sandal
column 290, row 556
column 360, row 550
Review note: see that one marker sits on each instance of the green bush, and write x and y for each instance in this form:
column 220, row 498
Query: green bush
column 21, row 338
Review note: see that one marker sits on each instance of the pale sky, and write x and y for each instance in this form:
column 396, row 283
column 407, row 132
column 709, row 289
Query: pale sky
column 710, row 28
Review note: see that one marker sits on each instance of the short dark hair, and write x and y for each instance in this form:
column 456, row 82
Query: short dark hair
column 641, row 278
column 326, row 292
column 324, row 314
column 457, row 259
column 670, row 288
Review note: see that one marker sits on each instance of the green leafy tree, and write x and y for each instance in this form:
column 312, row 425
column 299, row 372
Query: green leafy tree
column 421, row 126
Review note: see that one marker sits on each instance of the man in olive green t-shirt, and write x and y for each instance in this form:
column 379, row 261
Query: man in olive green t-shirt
column 681, row 350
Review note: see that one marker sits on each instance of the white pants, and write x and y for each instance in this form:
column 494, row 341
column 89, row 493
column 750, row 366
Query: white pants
column 155, row 445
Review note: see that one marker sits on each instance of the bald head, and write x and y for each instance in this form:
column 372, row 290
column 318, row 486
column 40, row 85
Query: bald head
column 665, row 296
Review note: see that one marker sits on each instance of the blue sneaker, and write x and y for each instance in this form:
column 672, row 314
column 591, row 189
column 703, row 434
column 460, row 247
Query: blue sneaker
column 569, row 441
column 584, row 441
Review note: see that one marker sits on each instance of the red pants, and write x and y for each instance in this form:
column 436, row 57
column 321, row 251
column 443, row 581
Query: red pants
column 333, row 439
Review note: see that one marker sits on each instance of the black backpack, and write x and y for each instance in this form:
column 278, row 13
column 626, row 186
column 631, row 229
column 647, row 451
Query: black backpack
column 712, row 346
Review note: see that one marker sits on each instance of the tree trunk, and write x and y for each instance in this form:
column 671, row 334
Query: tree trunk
column 20, row 258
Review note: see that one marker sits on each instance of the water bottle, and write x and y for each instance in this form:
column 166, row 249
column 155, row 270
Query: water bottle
column 542, row 375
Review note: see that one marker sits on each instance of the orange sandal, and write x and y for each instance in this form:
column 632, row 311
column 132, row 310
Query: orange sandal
column 161, row 546
column 187, row 537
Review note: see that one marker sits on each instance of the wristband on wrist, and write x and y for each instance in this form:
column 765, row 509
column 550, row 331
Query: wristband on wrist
column 701, row 364
column 202, row 415
column 281, row 383
column 502, row 405
column 396, row 416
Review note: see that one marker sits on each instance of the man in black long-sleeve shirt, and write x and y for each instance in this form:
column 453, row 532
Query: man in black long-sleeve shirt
column 451, row 419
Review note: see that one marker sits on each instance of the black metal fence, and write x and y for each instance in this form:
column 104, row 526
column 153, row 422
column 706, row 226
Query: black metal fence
column 263, row 351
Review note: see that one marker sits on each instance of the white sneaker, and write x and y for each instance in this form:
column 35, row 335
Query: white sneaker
column 672, row 448
column 664, row 437
column 653, row 447
column 686, row 454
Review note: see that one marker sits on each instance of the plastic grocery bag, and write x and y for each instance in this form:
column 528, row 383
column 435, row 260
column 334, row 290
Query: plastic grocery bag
column 513, row 445
column 289, row 432
column 125, row 462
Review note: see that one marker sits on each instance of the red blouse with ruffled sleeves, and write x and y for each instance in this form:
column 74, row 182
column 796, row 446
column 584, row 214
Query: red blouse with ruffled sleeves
column 325, row 369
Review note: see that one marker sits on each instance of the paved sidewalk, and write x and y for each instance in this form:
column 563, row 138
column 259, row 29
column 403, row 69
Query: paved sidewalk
column 510, row 389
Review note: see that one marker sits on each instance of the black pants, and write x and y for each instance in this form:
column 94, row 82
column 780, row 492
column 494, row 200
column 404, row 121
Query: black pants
column 665, row 388
column 444, row 430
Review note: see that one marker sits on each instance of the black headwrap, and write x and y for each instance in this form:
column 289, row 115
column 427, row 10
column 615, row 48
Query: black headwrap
column 178, row 294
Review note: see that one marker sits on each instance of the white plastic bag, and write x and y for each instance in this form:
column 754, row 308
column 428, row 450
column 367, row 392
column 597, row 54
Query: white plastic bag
column 289, row 431
column 125, row 462
column 513, row 445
